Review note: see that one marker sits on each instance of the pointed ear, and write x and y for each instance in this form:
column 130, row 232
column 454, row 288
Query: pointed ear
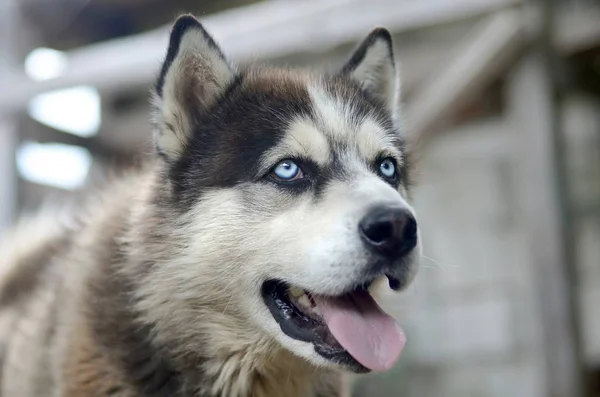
column 372, row 66
column 193, row 76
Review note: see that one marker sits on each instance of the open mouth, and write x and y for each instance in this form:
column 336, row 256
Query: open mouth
column 350, row 330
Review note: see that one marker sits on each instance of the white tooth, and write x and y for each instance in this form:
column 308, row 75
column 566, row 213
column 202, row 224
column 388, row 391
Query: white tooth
column 296, row 292
column 316, row 310
column 303, row 300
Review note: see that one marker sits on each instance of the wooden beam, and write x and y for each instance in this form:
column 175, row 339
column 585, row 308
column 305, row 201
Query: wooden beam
column 8, row 123
column 485, row 54
column 263, row 30
column 479, row 60
column 543, row 211
column 578, row 30
column 8, row 183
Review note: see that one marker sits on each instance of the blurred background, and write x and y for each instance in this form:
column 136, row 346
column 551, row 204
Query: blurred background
column 502, row 97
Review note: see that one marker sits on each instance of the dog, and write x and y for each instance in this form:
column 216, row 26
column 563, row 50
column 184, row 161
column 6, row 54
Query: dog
column 242, row 258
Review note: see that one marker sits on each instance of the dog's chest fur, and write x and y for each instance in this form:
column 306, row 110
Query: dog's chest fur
column 68, row 326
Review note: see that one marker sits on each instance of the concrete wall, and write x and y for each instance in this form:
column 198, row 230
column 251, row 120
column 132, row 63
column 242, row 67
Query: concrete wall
column 582, row 121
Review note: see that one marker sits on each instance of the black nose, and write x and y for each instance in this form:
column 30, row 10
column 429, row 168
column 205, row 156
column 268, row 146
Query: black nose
column 389, row 231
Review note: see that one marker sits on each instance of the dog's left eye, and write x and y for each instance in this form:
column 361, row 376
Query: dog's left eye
column 388, row 168
column 287, row 170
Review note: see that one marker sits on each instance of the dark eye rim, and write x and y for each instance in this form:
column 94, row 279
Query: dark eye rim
column 299, row 178
column 394, row 179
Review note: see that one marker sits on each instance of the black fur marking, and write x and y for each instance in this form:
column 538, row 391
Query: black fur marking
column 334, row 171
column 114, row 390
column 250, row 118
column 181, row 26
column 226, row 145
column 146, row 367
column 117, row 328
column 367, row 104
column 361, row 51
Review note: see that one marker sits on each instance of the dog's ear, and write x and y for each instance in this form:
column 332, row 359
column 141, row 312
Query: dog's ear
column 372, row 65
column 194, row 75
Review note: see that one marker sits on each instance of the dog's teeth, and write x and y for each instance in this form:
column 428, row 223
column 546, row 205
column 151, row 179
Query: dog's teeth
column 296, row 292
column 304, row 301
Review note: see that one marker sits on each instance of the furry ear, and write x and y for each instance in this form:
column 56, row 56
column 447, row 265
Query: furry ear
column 193, row 76
column 372, row 66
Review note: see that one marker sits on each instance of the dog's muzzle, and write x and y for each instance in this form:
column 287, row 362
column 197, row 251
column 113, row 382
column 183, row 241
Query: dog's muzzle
column 390, row 234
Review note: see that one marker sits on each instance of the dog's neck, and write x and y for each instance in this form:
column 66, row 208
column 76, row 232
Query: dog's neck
column 255, row 373
column 132, row 324
column 215, row 364
column 251, row 373
column 248, row 371
column 259, row 367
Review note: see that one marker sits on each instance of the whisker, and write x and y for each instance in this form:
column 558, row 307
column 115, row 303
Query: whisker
column 428, row 266
column 437, row 263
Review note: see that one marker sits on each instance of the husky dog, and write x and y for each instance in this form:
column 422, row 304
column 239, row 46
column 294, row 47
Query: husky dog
column 240, row 259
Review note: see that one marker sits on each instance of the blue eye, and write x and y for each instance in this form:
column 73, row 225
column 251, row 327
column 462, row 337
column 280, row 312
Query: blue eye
column 287, row 170
column 388, row 168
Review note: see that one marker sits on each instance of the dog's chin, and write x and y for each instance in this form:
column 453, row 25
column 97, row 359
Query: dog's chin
column 298, row 314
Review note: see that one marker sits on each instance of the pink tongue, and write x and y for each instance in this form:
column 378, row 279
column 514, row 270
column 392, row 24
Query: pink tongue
column 370, row 336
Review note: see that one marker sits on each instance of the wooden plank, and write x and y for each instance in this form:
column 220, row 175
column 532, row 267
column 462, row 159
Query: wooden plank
column 262, row 30
column 479, row 60
column 542, row 209
column 485, row 54
column 578, row 30
column 8, row 183
column 8, row 123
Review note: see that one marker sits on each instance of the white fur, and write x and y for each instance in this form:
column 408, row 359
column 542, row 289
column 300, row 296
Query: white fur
column 303, row 139
column 333, row 114
column 372, row 141
column 196, row 77
column 377, row 73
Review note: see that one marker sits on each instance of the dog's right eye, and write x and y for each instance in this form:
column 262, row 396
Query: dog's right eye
column 287, row 171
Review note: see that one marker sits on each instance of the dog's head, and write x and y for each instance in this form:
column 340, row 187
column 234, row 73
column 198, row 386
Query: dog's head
column 291, row 191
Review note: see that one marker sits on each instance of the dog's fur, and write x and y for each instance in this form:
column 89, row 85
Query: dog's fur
column 155, row 291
